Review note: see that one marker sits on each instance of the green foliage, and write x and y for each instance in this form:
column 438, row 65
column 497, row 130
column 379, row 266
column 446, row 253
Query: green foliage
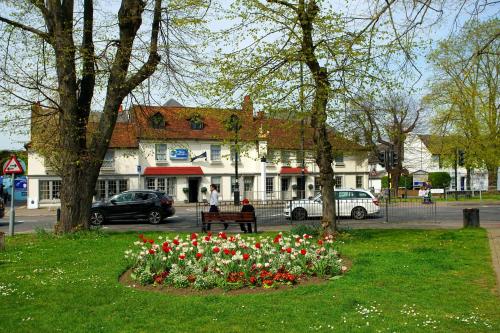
column 302, row 229
column 404, row 182
column 440, row 179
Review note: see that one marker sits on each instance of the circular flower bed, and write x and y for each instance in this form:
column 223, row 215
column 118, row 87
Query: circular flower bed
column 209, row 261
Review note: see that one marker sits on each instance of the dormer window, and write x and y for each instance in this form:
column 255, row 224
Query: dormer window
column 157, row 121
column 196, row 121
column 196, row 125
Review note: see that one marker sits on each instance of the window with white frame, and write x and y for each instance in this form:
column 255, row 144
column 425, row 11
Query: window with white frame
column 217, row 182
column 286, row 156
column 317, row 184
column 359, row 181
column 339, row 158
column 248, row 183
column 215, row 152
column 338, row 181
column 164, row 184
column 269, row 184
column 161, row 152
column 109, row 159
column 106, row 188
column 50, row 189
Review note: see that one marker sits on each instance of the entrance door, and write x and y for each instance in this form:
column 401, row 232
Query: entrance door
column 462, row 183
column 301, row 187
column 285, row 185
column 193, row 189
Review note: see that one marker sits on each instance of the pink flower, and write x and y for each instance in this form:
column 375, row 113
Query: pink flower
column 182, row 256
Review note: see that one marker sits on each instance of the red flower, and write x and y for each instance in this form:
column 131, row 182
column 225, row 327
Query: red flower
column 257, row 245
column 222, row 235
column 232, row 239
column 151, row 251
column 195, row 243
column 207, row 238
column 141, row 236
column 268, row 282
column 199, row 255
column 194, row 235
column 145, row 240
column 306, row 236
column 182, row 256
column 233, row 252
column 151, row 241
column 165, row 247
column 246, row 256
column 216, row 249
column 320, row 242
column 289, row 250
column 297, row 239
column 209, row 234
column 253, row 280
column 303, row 252
column 176, row 241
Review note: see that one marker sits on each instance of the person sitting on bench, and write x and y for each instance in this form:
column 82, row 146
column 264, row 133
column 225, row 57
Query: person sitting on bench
column 246, row 208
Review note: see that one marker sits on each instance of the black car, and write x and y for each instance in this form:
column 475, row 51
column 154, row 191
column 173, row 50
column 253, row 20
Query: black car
column 133, row 205
column 2, row 208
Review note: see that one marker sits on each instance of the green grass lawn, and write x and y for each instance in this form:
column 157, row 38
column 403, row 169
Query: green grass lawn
column 400, row 281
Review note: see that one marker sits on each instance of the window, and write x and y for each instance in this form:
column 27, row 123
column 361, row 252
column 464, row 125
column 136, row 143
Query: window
column 196, row 124
column 163, row 184
column 124, row 197
column 359, row 181
column 50, row 189
column 285, row 184
column 161, row 152
column 106, row 188
column 338, row 181
column 215, row 153
column 362, row 195
column 339, row 158
column 247, row 184
column 233, row 184
column 109, row 160
column 269, row 184
column 436, row 160
column 285, row 157
column 217, row 182
column 157, row 121
column 271, row 155
column 317, row 184
column 345, row 195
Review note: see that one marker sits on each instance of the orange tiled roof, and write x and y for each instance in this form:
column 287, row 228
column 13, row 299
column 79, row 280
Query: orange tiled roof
column 124, row 136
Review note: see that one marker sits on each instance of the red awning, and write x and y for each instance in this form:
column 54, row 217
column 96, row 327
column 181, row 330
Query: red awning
column 292, row 171
column 168, row 171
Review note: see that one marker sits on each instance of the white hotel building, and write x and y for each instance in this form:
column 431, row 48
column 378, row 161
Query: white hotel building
column 152, row 147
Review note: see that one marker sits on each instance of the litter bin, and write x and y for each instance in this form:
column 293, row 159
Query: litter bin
column 471, row 217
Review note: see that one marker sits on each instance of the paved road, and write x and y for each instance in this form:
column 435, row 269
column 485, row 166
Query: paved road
column 445, row 216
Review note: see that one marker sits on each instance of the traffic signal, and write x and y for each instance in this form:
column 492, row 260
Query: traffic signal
column 395, row 158
column 461, row 158
column 381, row 158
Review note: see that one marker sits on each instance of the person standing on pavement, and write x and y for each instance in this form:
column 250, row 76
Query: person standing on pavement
column 214, row 203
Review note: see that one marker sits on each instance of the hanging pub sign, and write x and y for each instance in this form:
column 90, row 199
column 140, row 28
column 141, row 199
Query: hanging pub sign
column 179, row 154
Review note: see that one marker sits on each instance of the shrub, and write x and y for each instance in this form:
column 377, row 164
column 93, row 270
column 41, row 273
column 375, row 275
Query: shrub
column 439, row 179
column 203, row 189
column 404, row 182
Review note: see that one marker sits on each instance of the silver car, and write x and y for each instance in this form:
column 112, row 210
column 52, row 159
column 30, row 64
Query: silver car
column 355, row 203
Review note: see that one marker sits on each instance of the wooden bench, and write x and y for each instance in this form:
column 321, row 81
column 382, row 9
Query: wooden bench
column 228, row 218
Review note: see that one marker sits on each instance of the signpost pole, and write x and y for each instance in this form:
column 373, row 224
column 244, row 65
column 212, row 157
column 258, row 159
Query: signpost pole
column 12, row 213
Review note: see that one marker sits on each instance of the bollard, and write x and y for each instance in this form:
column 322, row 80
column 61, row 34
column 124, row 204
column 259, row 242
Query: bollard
column 471, row 217
column 58, row 215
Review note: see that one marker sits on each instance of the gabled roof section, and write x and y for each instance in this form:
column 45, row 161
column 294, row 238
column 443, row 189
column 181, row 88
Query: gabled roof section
column 124, row 136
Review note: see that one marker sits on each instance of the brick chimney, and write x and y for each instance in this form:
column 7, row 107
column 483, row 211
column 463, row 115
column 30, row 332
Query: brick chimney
column 247, row 105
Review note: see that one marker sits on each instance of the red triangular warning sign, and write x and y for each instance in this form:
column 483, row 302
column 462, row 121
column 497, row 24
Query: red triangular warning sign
column 12, row 166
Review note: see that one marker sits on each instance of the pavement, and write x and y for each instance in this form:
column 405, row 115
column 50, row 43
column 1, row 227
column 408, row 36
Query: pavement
column 494, row 238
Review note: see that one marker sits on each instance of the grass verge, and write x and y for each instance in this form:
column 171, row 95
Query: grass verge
column 400, row 281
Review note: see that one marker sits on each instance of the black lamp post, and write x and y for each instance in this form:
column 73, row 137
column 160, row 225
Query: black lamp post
column 234, row 124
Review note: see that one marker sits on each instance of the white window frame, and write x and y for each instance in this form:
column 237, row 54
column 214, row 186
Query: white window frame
column 109, row 160
column 218, row 183
column 161, row 152
column 163, row 184
column 339, row 158
column 269, row 188
column 215, row 157
column 341, row 181
column 362, row 181
column 53, row 190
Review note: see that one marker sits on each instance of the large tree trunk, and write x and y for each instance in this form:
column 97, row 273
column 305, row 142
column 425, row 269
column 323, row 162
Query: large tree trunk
column 492, row 178
column 324, row 155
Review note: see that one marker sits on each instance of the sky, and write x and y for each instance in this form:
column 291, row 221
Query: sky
column 10, row 140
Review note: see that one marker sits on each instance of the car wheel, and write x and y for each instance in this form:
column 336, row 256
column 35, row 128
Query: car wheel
column 299, row 214
column 96, row 218
column 154, row 216
column 358, row 213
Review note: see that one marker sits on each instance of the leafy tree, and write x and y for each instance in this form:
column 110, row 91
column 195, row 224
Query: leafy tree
column 303, row 59
column 69, row 56
column 465, row 96
column 440, row 179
